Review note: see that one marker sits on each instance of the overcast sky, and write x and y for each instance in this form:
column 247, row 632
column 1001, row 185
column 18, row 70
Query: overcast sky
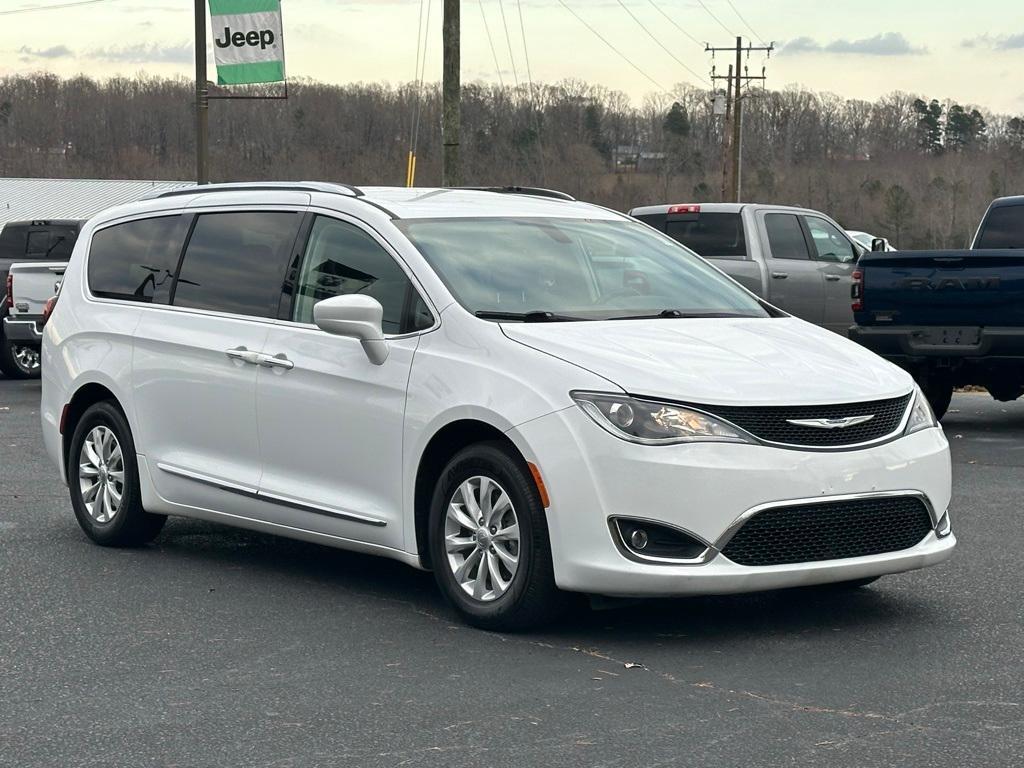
column 969, row 51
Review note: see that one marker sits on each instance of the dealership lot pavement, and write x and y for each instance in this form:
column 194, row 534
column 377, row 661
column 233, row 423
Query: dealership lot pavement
column 222, row 647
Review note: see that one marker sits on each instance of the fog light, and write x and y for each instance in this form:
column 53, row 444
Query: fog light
column 638, row 538
column 648, row 541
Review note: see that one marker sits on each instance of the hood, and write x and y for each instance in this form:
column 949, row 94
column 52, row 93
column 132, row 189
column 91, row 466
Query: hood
column 721, row 361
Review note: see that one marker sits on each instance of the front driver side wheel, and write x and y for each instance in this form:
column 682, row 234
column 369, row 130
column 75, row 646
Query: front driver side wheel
column 489, row 541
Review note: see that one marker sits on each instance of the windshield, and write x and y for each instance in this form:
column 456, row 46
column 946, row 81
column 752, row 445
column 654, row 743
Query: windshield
column 541, row 269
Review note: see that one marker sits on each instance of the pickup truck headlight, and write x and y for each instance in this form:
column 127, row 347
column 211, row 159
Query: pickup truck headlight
column 650, row 422
column 921, row 416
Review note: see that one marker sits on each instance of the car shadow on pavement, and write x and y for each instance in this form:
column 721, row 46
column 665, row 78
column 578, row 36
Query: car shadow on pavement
column 296, row 564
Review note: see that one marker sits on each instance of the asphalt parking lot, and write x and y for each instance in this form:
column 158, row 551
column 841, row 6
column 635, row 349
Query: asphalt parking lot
column 221, row 647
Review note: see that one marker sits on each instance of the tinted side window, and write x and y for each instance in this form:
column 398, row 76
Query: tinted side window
column 12, row 241
column 235, row 262
column 137, row 260
column 1004, row 228
column 785, row 236
column 341, row 259
column 829, row 242
column 710, row 234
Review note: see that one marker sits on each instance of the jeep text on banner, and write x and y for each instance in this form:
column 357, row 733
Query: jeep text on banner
column 248, row 46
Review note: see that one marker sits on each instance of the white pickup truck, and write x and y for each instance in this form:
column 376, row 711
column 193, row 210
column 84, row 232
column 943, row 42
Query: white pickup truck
column 34, row 256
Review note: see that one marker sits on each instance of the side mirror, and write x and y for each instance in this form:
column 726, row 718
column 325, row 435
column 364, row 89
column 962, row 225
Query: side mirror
column 359, row 317
column 877, row 244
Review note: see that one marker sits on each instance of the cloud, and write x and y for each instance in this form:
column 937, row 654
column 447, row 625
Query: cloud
column 884, row 44
column 998, row 43
column 143, row 53
column 56, row 52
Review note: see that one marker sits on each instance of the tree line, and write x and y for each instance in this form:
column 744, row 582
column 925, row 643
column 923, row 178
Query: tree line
column 919, row 171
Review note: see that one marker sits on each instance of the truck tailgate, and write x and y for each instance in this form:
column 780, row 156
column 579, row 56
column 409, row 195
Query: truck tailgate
column 34, row 283
column 943, row 288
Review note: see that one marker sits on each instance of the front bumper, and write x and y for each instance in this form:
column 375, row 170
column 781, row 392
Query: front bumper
column 705, row 489
column 22, row 331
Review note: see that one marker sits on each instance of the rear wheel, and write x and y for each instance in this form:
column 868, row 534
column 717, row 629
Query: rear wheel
column 489, row 541
column 103, row 478
column 18, row 361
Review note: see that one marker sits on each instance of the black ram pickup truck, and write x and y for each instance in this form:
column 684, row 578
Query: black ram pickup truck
column 951, row 318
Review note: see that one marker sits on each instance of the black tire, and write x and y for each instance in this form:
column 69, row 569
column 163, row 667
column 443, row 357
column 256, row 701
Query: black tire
column 130, row 525
column 938, row 390
column 11, row 363
column 531, row 598
column 1005, row 392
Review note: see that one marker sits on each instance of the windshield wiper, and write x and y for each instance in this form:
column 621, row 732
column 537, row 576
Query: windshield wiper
column 536, row 316
column 677, row 313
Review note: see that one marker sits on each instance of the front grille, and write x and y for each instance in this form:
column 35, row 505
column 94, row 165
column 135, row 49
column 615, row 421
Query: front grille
column 770, row 423
column 830, row 531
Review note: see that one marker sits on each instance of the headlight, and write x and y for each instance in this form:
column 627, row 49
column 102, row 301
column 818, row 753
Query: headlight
column 921, row 416
column 654, row 423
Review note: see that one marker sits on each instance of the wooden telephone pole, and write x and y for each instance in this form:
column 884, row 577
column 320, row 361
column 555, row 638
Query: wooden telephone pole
column 451, row 173
column 733, row 147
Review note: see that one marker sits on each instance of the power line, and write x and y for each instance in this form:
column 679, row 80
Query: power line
column 526, row 50
column 604, row 40
column 490, row 42
column 745, row 22
column 508, row 41
column 56, row 7
column 715, row 17
column 660, row 44
column 675, row 24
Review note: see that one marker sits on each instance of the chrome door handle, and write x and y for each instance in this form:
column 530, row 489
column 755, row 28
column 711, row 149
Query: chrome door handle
column 277, row 361
column 243, row 354
column 780, row 275
column 834, row 278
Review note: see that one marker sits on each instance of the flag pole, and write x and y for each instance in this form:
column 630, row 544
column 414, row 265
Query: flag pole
column 202, row 98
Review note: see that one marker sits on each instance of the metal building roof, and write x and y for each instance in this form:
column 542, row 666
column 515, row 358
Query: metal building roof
column 22, row 199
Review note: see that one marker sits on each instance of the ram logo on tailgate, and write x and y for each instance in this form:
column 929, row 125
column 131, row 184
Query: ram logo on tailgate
column 951, row 284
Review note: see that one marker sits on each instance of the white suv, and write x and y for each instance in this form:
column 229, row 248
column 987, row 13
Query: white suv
column 527, row 394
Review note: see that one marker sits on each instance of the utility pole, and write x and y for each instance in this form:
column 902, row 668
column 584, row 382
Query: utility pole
column 202, row 98
column 736, row 79
column 451, row 173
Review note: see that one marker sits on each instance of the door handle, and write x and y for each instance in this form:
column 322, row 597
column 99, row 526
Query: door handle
column 780, row 275
column 833, row 278
column 243, row 354
column 277, row 361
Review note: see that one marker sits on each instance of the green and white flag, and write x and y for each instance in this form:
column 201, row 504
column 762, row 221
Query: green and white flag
column 248, row 45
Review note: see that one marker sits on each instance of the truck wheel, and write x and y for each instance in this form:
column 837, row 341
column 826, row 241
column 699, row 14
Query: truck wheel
column 938, row 390
column 1005, row 393
column 18, row 361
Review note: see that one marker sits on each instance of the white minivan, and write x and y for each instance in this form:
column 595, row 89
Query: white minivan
column 529, row 395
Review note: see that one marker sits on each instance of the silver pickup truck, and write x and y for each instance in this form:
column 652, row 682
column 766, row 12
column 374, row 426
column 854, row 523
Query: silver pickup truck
column 797, row 259
column 33, row 256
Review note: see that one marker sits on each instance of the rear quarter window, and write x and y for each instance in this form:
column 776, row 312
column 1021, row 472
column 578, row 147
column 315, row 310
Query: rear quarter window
column 137, row 260
column 1003, row 228
column 710, row 234
column 12, row 242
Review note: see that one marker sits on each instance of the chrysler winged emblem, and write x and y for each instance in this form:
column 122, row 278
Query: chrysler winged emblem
column 840, row 423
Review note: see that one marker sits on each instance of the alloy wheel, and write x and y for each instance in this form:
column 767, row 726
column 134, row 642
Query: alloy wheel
column 26, row 358
column 481, row 538
column 101, row 474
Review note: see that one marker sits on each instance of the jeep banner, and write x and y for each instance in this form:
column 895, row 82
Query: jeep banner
column 248, row 46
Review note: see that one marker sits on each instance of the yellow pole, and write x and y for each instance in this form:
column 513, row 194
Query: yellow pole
column 412, row 177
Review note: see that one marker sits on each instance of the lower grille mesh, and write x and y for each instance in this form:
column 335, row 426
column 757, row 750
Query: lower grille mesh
column 830, row 531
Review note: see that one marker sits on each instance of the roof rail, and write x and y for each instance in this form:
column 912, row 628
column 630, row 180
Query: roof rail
column 534, row 191
column 264, row 186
